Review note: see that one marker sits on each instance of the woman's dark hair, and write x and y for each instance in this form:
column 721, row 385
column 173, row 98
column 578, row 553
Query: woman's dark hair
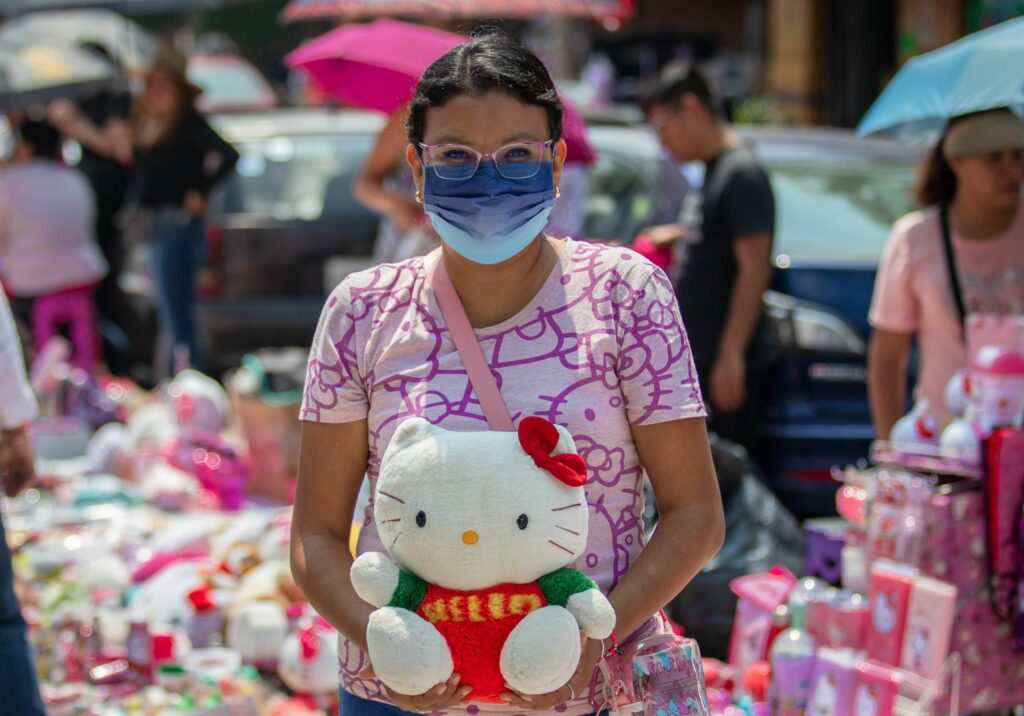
column 490, row 61
column 936, row 182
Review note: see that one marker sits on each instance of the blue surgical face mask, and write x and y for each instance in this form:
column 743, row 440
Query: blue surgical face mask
column 488, row 218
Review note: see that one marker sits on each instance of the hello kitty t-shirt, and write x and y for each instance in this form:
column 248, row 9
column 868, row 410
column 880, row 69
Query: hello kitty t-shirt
column 599, row 348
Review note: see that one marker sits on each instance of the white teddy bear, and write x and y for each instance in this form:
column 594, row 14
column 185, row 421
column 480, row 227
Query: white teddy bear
column 480, row 527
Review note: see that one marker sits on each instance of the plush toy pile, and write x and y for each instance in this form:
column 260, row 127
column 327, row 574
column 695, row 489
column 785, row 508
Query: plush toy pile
column 153, row 581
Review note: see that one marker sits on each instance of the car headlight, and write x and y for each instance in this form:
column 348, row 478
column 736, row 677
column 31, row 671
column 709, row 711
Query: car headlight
column 796, row 324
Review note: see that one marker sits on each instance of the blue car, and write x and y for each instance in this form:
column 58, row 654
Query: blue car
column 836, row 196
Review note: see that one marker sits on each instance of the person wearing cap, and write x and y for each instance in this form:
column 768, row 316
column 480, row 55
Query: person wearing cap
column 179, row 159
column 971, row 187
column 18, row 685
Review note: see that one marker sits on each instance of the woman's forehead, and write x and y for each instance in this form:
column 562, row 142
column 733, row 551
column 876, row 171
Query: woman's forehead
column 487, row 120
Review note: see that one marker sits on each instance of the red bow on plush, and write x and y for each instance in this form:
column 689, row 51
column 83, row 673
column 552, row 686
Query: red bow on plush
column 539, row 438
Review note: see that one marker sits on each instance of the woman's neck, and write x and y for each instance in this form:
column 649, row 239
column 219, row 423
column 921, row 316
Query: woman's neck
column 974, row 221
column 492, row 294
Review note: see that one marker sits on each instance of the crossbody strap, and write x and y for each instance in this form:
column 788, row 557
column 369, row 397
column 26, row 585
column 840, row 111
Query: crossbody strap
column 466, row 343
column 954, row 276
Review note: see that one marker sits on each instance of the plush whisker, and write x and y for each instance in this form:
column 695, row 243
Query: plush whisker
column 388, row 494
column 566, row 529
column 397, row 519
column 567, row 507
column 394, row 542
column 560, row 546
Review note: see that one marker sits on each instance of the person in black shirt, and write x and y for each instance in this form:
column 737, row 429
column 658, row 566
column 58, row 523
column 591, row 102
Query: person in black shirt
column 727, row 249
column 179, row 159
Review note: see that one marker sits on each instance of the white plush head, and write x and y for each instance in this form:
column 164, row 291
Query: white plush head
column 469, row 510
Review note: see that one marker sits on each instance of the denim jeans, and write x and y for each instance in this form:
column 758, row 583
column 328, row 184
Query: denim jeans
column 178, row 246
column 356, row 706
column 19, row 689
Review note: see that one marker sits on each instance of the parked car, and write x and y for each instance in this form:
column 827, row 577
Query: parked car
column 836, row 197
column 230, row 84
column 278, row 223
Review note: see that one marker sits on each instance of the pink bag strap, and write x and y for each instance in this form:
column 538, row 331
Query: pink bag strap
column 466, row 343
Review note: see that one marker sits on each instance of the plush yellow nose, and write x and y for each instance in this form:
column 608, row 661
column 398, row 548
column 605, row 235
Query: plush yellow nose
column 470, row 537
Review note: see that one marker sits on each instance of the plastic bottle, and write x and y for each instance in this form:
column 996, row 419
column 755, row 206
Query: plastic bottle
column 792, row 661
column 139, row 651
column 206, row 623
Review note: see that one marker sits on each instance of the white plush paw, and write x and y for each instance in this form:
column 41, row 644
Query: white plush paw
column 594, row 613
column 406, row 651
column 542, row 652
column 375, row 578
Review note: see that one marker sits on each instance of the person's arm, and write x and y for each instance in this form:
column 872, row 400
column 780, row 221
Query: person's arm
column 753, row 256
column 888, row 357
column 17, row 408
column 332, row 463
column 388, row 150
column 112, row 140
column 219, row 159
column 894, row 317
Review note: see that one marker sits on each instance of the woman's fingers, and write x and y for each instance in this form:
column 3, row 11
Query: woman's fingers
column 440, row 697
column 538, row 701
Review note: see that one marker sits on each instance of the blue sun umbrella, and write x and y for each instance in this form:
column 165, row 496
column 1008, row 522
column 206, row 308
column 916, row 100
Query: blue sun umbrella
column 982, row 71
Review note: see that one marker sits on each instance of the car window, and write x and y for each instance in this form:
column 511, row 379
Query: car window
column 228, row 83
column 622, row 199
column 836, row 211
column 307, row 178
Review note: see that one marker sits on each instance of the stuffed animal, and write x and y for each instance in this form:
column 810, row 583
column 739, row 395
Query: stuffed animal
column 480, row 527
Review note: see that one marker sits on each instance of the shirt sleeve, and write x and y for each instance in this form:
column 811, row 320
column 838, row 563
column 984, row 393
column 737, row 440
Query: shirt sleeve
column 749, row 203
column 334, row 390
column 561, row 584
column 17, row 401
column 893, row 305
column 219, row 157
column 409, row 593
column 654, row 365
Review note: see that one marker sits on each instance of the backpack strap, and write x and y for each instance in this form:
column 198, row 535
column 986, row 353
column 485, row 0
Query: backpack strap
column 951, row 270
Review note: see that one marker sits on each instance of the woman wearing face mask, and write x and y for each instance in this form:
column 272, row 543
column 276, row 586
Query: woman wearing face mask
column 963, row 254
column 179, row 160
column 584, row 335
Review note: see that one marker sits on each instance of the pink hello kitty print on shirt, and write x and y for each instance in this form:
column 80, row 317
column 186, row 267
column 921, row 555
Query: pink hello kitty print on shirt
column 602, row 346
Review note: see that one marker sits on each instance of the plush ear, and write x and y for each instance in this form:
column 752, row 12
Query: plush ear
column 565, row 441
column 412, row 431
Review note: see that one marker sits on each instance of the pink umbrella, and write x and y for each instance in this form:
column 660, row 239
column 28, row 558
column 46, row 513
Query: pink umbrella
column 377, row 65
column 610, row 10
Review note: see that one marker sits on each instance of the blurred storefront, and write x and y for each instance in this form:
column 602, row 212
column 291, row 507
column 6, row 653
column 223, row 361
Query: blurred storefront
column 826, row 60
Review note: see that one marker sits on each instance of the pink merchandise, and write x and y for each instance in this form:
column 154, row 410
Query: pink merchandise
column 832, row 683
column 998, row 387
column 889, row 596
column 895, row 523
column 929, row 624
column 875, row 689
column 846, row 619
column 759, row 596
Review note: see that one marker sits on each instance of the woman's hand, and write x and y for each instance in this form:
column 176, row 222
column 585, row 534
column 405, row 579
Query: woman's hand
column 438, row 698
column 17, row 464
column 590, row 654
column 195, row 204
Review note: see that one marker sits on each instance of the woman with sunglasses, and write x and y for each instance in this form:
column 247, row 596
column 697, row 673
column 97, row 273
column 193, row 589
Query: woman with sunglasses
column 583, row 335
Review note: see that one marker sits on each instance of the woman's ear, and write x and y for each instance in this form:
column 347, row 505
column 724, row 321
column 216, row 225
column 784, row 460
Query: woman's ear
column 412, row 158
column 558, row 152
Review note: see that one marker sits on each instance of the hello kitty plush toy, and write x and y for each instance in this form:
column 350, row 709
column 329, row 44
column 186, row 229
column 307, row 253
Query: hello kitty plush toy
column 480, row 527
column 916, row 428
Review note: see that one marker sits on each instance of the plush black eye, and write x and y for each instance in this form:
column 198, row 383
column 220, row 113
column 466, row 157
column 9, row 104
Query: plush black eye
column 523, row 521
column 421, row 519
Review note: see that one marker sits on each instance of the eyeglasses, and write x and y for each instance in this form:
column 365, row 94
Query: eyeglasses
column 457, row 162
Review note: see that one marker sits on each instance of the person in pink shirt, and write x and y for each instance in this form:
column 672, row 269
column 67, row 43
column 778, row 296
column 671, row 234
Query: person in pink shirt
column 972, row 183
column 50, row 262
column 586, row 336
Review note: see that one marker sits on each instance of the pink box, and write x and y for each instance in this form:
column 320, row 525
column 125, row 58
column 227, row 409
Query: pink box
column 889, row 597
column 845, row 623
column 875, row 690
column 929, row 626
column 832, row 683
